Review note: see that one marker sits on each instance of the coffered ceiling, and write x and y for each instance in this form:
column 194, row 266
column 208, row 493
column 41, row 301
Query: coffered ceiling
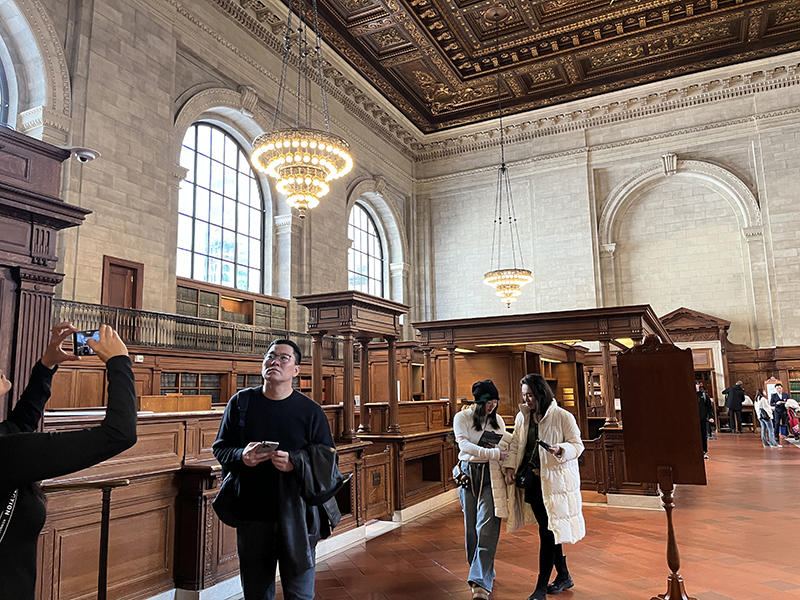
column 437, row 60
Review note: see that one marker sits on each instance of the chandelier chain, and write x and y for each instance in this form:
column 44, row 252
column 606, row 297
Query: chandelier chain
column 276, row 119
column 321, row 68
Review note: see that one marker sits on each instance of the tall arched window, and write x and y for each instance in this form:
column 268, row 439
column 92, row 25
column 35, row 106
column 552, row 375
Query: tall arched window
column 365, row 256
column 220, row 212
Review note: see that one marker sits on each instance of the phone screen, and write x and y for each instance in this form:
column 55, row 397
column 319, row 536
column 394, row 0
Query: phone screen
column 267, row 447
column 79, row 345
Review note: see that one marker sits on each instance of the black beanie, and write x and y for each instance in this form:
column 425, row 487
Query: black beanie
column 485, row 391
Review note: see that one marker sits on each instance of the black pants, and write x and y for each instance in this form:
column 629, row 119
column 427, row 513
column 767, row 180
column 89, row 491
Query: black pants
column 735, row 418
column 704, row 432
column 549, row 551
column 781, row 418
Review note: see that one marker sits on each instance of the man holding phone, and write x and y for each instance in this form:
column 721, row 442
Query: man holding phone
column 269, row 492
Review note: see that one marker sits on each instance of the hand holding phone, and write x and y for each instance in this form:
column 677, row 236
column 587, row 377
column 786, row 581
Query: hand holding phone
column 266, row 447
column 543, row 445
column 80, row 339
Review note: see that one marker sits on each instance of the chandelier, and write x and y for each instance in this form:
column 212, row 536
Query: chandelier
column 508, row 282
column 302, row 159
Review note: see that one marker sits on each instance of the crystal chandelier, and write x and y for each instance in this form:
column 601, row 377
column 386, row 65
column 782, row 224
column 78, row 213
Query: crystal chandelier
column 508, row 282
column 301, row 159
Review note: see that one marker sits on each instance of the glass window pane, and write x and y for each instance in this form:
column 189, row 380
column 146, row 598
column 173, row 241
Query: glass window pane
column 201, row 237
column 188, row 139
column 186, row 199
column 255, row 195
column 228, row 245
column 201, row 203
column 215, row 216
column 217, row 144
column 203, row 171
column 230, row 182
column 216, row 176
column 204, row 139
column 227, row 274
column 255, row 223
column 255, row 253
column 242, row 250
column 187, row 162
column 231, row 152
column 241, row 277
column 242, row 224
column 213, row 270
column 184, row 232
column 244, row 163
column 255, row 281
column 243, row 191
column 201, row 267
column 183, row 268
column 215, row 241
column 229, row 214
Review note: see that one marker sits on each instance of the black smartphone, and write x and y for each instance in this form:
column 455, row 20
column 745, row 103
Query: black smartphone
column 267, row 447
column 79, row 339
column 543, row 445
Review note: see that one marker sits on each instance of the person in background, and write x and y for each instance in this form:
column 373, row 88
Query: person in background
column 27, row 457
column 553, row 498
column 711, row 425
column 734, row 397
column 764, row 415
column 781, row 416
column 483, row 500
column 706, row 414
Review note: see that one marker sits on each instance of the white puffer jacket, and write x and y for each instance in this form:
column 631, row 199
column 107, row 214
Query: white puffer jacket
column 467, row 439
column 561, row 479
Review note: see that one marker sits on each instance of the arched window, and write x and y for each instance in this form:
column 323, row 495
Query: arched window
column 220, row 212
column 365, row 256
column 4, row 103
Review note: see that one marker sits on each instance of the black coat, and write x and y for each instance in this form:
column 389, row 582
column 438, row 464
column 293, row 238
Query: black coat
column 704, row 405
column 734, row 396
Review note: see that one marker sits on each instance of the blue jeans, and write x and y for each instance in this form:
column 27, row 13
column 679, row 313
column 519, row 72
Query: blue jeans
column 767, row 434
column 481, row 527
column 259, row 546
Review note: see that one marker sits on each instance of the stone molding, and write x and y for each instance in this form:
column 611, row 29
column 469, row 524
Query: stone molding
column 728, row 185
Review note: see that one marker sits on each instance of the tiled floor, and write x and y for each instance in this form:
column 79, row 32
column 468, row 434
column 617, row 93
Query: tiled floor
column 739, row 538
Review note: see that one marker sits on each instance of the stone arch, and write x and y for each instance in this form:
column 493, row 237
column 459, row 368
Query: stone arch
column 36, row 69
column 729, row 186
column 373, row 195
column 238, row 114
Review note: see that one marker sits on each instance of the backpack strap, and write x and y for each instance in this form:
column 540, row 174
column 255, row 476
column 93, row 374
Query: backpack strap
column 242, row 402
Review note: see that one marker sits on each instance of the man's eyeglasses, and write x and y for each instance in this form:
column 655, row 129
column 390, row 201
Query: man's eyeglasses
column 283, row 358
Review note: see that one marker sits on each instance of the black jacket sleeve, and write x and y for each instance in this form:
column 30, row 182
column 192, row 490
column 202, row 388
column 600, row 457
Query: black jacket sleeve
column 30, row 457
column 28, row 412
column 228, row 447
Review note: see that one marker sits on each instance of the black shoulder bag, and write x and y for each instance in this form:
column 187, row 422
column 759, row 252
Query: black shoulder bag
column 228, row 495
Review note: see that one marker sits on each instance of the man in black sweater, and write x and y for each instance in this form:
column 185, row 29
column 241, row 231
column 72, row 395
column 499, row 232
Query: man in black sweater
column 269, row 490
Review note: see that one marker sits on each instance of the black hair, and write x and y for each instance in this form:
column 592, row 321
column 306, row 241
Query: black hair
column 298, row 356
column 541, row 391
column 479, row 415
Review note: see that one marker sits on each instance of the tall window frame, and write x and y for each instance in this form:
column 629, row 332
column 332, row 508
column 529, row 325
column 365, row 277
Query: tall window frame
column 221, row 227
column 366, row 263
column 4, row 96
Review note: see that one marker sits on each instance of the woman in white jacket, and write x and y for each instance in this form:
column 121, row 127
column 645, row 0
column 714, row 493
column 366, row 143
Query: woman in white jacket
column 552, row 497
column 483, row 500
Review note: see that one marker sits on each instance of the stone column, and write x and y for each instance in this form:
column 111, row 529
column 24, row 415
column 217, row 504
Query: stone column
column 608, row 386
column 608, row 275
column 364, row 426
column 348, row 401
column 394, row 409
column 316, row 367
column 451, row 381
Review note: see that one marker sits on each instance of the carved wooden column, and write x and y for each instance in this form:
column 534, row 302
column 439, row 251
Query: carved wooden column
column 317, row 381
column 348, row 401
column 608, row 386
column 394, row 409
column 364, row 426
column 451, row 381
column 427, row 374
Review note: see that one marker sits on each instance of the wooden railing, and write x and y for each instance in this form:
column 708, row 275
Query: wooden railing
column 164, row 330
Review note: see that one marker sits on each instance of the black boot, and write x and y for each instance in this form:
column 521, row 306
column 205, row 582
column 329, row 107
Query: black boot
column 562, row 581
column 540, row 593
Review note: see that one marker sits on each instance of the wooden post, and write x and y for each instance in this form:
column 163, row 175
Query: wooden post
column 364, row 425
column 675, row 589
column 427, row 375
column 451, row 382
column 608, row 386
column 348, row 401
column 394, row 409
column 316, row 366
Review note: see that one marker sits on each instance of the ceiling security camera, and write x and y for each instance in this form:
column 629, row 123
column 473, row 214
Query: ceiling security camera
column 83, row 155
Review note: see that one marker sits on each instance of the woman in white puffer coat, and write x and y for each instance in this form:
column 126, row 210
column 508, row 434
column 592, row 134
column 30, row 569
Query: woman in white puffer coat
column 553, row 497
column 483, row 500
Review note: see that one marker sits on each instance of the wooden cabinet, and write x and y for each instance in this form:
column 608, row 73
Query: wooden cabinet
column 209, row 301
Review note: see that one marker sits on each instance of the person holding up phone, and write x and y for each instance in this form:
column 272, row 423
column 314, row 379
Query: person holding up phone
column 482, row 446
column 27, row 457
column 542, row 466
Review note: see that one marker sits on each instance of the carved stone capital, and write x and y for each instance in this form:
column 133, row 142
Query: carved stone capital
column 607, row 250
column 753, row 234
